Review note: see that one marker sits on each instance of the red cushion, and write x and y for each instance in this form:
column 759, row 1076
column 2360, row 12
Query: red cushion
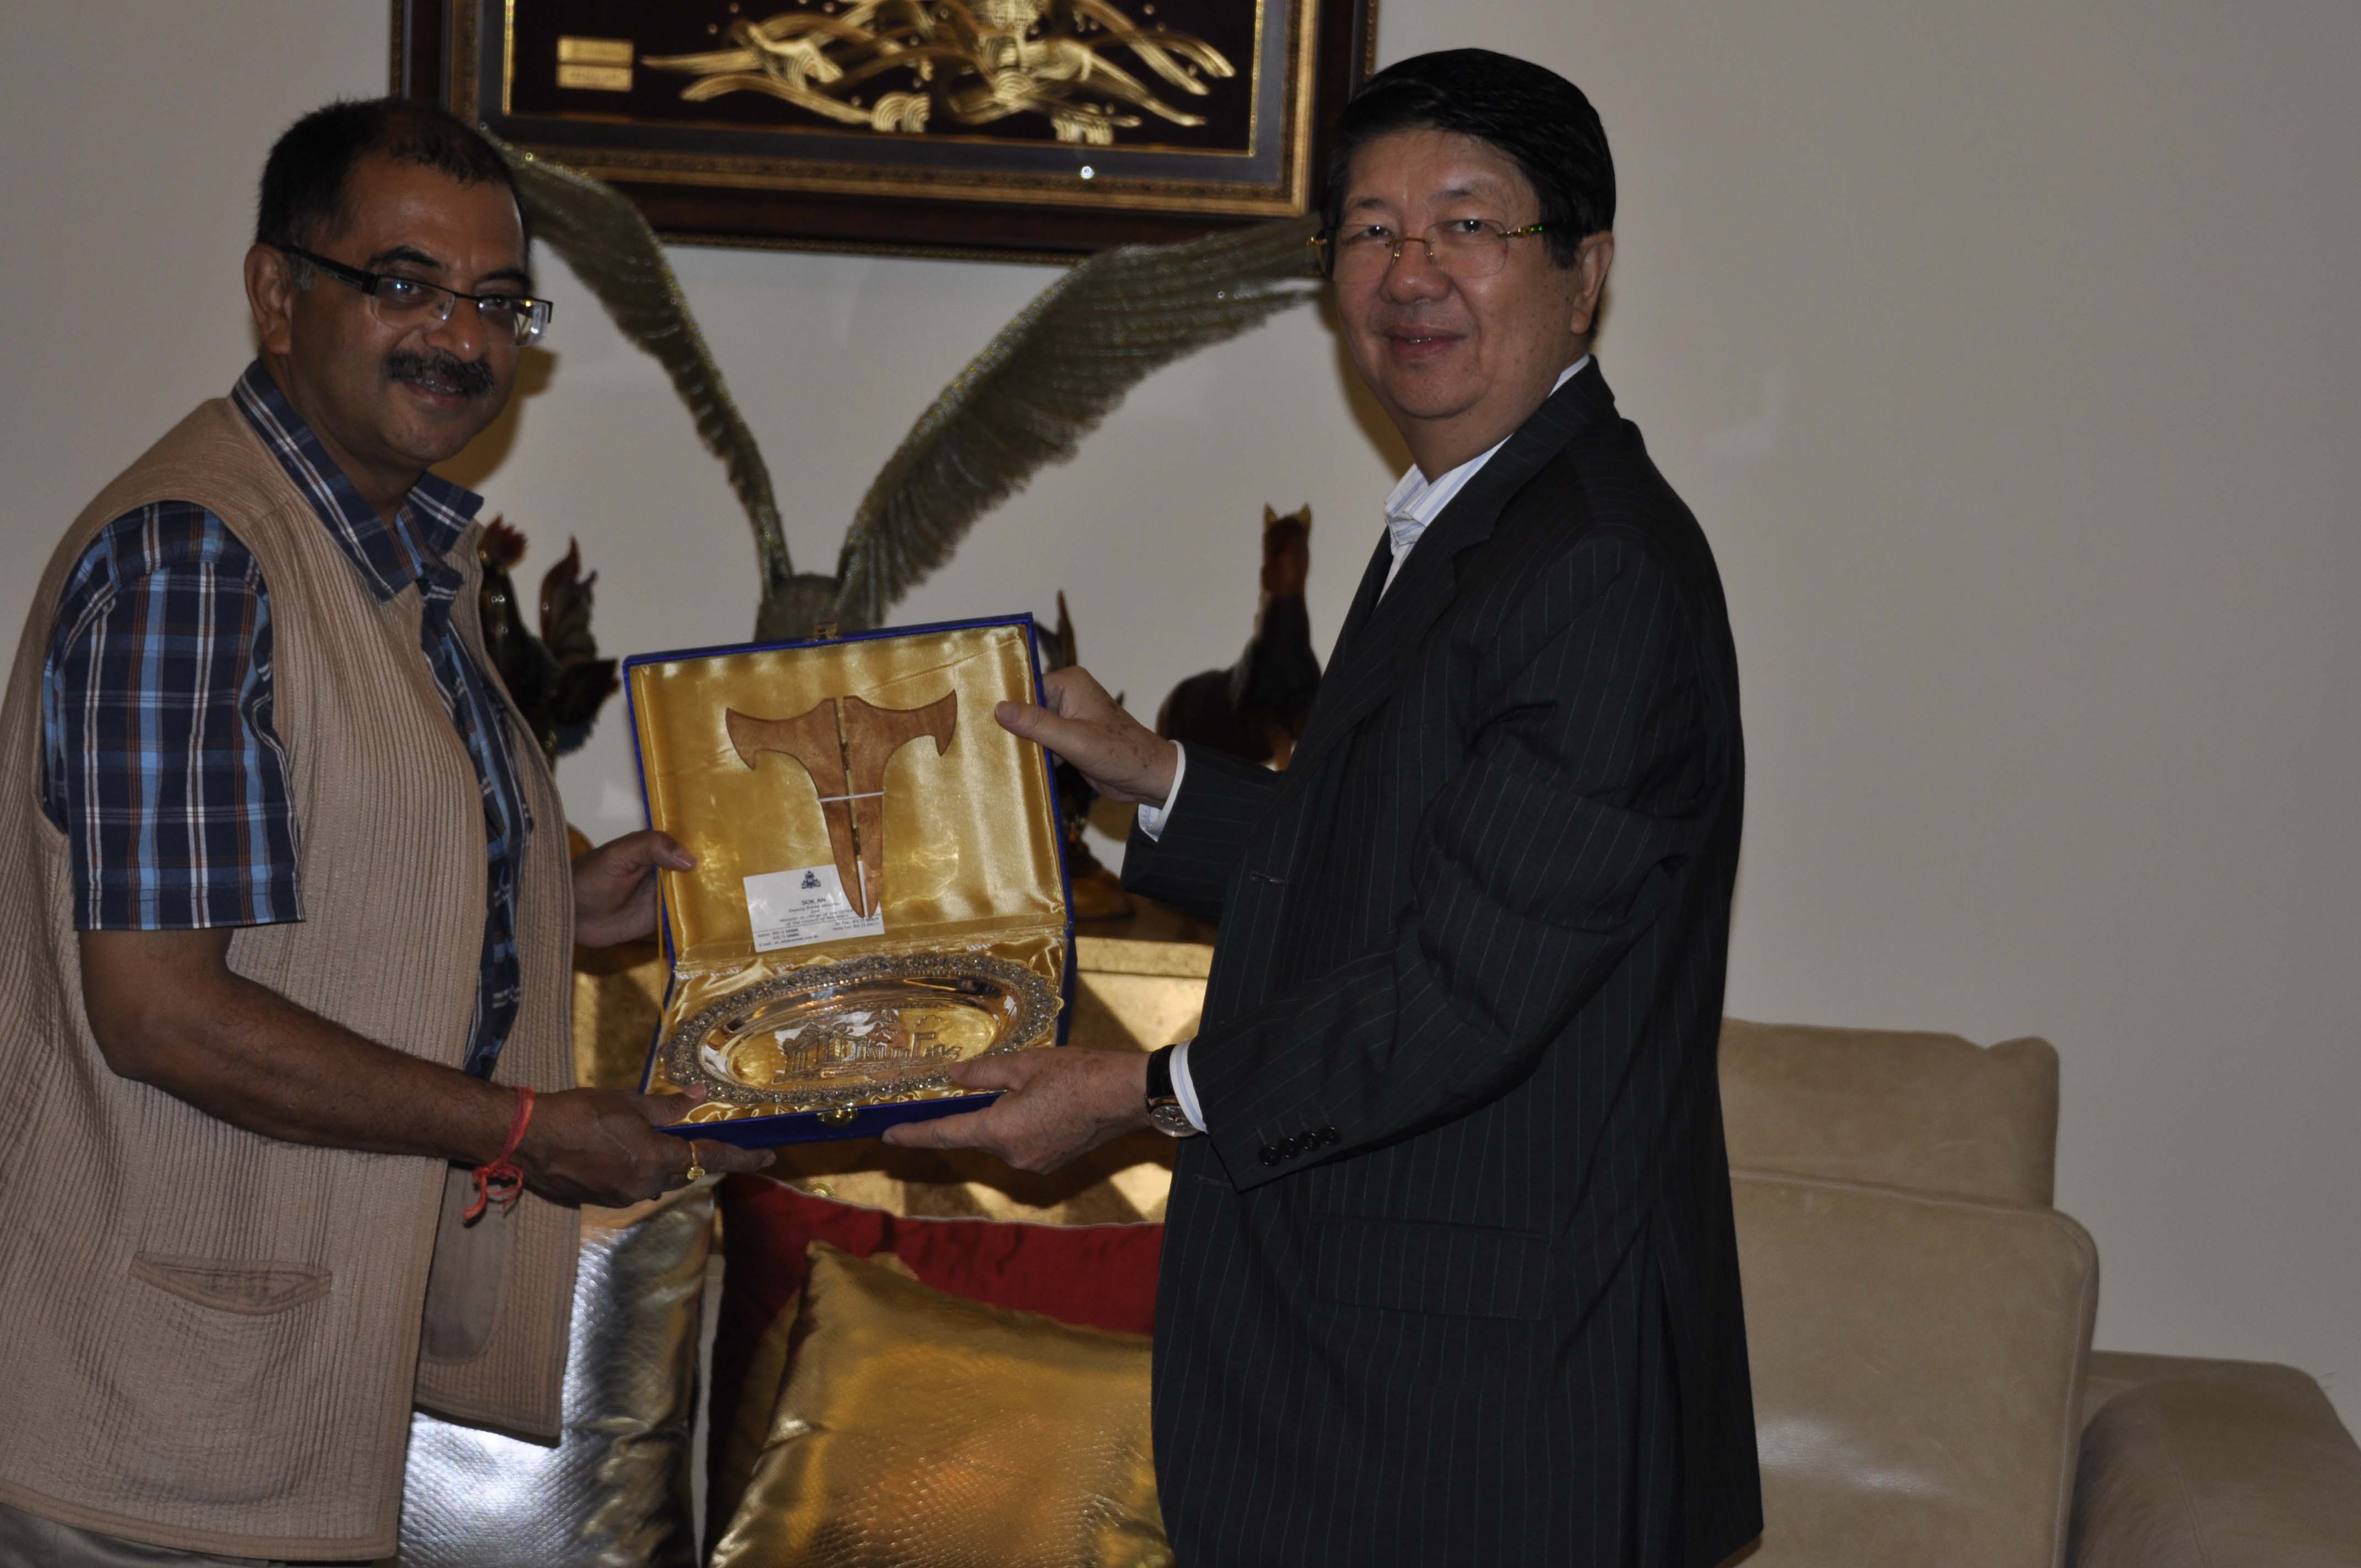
column 1099, row 1277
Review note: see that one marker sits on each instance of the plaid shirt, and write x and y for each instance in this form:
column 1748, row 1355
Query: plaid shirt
column 160, row 764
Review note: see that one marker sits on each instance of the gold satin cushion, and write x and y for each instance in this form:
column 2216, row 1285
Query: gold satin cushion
column 917, row 1428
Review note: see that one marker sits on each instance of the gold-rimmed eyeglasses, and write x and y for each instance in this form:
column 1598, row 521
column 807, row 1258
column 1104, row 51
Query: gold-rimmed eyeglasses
column 1462, row 248
column 403, row 302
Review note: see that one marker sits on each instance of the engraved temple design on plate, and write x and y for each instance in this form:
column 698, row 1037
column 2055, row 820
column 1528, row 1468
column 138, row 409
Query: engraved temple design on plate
column 862, row 1043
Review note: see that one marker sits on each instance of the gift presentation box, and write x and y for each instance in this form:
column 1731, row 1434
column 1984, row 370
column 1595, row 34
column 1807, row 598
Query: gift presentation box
column 881, row 888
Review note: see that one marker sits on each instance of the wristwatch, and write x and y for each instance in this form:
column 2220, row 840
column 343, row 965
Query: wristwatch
column 1163, row 1106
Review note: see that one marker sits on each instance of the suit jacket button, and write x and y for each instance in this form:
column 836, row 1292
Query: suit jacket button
column 1269, row 1155
column 1330, row 1138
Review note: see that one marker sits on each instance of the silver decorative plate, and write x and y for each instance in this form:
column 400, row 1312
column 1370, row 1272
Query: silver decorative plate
column 887, row 1027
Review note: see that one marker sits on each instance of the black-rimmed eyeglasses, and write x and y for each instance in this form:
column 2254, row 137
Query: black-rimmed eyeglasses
column 403, row 303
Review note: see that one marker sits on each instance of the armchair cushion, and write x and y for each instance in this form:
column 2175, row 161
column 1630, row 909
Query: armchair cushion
column 1917, row 1362
column 1101, row 1277
column 1930, row 1111
column 2215, row 1465
column 616, row 1487
column 918, row 1426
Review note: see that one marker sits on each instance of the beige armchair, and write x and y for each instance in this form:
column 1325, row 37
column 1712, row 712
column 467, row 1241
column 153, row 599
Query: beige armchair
column 1918, row 1315
column 1919, row 1318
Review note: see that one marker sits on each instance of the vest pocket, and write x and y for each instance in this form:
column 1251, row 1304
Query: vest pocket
column 467, row 1278
column 253, row 1290
column 1411, row 1266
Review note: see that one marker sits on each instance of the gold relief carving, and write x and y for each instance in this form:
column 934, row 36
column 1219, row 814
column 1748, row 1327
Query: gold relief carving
column 974, row 63
column 594, row 51
column 596, row 78
column 844, row 743
column 731, row 158
column 1284, row 196
column 596, row 65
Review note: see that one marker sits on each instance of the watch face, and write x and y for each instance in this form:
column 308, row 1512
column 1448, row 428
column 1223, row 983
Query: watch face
column 1171, row 1119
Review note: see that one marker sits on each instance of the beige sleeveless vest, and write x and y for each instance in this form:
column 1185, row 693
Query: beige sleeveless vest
column 214, row 1339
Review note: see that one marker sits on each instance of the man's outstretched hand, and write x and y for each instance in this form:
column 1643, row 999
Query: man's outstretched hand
column 615, row 887
column 1123, row 759
column 1058, row 1105
column 600, row 1146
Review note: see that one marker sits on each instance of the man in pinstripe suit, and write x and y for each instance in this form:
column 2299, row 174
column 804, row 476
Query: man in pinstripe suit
column 1450, row 1274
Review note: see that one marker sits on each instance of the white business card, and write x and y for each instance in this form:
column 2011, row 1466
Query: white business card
column 793, row 909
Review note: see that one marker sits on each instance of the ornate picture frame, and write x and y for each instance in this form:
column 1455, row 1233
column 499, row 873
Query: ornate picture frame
column 1011, row 128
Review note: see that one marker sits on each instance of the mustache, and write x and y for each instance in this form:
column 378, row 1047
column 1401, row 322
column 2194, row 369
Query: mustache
column 441, row 372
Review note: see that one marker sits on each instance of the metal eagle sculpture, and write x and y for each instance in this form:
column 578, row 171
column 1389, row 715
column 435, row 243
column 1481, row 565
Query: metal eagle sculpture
column 1043, row 382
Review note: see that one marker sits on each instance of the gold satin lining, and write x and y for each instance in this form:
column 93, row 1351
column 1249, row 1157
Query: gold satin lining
column 916, row 1427
column 618, row 1002
column 970, row 834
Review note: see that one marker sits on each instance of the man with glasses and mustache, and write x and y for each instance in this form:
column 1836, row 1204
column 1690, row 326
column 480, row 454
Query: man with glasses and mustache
column 1450, row 1274
column 288, row 1141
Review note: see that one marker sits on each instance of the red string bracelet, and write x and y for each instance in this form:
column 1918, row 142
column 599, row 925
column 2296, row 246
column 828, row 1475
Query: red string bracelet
column 500, row 1181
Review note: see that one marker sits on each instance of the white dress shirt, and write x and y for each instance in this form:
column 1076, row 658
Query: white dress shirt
column 1415, row 503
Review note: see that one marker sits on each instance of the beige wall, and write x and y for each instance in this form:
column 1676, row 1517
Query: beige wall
column 2005, row 351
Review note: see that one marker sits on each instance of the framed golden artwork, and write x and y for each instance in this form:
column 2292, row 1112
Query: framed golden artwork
column 983, row 128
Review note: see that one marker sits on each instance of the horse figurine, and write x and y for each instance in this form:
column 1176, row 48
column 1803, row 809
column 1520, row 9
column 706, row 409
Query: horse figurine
column 1255, row 709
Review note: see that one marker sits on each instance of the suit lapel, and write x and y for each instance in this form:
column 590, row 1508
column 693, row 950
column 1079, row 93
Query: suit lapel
column 1381, row 634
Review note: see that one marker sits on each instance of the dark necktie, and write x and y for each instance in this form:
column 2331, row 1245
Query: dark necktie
column 1365, row 601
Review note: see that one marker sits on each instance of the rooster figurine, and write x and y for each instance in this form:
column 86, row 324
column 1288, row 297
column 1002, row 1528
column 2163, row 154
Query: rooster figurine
column 558, row 680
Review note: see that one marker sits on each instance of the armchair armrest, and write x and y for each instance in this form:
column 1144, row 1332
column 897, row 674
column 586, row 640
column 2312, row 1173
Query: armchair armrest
column 2214, row 1464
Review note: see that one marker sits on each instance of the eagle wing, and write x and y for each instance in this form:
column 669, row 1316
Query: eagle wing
column 610, row 248
column 1046, row 381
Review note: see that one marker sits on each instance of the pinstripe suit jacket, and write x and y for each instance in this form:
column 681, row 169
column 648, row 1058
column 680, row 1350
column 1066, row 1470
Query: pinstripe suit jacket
column 1452, row 1278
